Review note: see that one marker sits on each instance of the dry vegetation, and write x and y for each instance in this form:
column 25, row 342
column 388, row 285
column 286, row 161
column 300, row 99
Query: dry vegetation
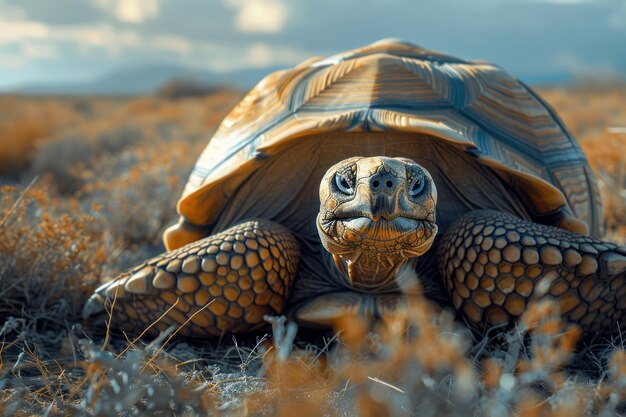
column 88, row 185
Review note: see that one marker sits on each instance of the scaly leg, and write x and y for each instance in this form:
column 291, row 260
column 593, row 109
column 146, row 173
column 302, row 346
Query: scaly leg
column 493, row 263
column 225, row 283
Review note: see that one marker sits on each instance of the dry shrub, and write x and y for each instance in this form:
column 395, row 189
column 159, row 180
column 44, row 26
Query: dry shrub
column 62, row 159
column 107, row 124
column 49, row 259
column 66, row 159
column 139, row 193
column 117, row 139
column 17, row 144
column 181, row 88
column 607, row 156
column 23, row 122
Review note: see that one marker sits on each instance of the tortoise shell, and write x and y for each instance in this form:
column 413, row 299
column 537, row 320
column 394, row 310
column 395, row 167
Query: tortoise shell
column 385, row 88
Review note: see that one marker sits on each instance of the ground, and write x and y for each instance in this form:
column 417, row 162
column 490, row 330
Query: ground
column 88, row 184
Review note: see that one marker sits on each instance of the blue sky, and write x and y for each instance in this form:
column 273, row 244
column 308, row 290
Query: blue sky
column 61, row 40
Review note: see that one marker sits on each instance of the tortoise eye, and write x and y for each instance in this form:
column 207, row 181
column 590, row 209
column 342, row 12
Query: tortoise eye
column 343, row 184
column 417, row 186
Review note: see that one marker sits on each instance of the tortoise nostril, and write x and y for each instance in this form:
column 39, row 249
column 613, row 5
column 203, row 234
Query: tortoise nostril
column 383, row 182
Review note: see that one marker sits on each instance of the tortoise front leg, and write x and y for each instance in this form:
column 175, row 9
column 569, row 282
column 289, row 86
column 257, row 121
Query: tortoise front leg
column 223, row 283
column 493, row 263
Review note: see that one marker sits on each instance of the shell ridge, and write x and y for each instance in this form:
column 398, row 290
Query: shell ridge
column 329, row 76
column 429, row 75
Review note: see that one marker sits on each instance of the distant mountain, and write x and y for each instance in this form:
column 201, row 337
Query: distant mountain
column 557, row 78
column 146, row 80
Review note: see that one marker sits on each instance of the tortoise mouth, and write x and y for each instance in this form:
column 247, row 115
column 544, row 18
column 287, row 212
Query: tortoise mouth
column 381, row 230
column 363, row 230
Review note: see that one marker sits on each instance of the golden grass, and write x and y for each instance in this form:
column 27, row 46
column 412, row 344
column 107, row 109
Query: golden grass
column 108, row 172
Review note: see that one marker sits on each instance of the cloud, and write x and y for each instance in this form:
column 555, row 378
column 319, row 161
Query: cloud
column 617, row 19
column 56, row 12
column 16, row 30
column 176, row 44
column 565, row 2
column 104, row 46
column 25, row 52
column 578, row 66
column 24, row 42
column 259, row 16
column 262, row 55
column 11, row 11
column 130, row 11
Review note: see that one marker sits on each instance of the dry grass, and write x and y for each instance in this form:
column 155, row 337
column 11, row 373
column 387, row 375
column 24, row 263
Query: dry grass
column 90, row 183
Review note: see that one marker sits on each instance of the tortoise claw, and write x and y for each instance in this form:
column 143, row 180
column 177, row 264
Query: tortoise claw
column 94, row 306
column 611, row 264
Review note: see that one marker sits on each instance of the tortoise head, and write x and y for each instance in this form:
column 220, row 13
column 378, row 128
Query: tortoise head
column 377, row 212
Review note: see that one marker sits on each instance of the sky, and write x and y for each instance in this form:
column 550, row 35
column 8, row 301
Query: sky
column 75, row 40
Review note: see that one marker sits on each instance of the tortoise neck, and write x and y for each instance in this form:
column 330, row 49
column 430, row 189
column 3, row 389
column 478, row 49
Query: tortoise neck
column 371, row 271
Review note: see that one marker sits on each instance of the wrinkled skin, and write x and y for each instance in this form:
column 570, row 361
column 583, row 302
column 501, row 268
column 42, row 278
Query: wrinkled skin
column 376, row 213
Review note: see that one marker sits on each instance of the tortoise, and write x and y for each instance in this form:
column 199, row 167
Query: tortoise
column 347, row 183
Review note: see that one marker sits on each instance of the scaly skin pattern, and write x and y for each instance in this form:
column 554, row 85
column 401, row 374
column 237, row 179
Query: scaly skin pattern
column 222, row 284
column 494, row 263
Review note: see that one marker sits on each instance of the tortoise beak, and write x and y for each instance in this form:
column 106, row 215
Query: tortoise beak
column 383, row 189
